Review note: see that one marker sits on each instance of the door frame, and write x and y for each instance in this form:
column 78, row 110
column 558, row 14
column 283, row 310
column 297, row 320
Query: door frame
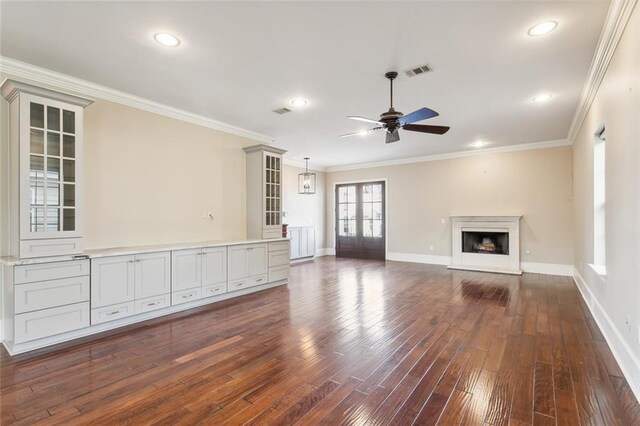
column 386, row 210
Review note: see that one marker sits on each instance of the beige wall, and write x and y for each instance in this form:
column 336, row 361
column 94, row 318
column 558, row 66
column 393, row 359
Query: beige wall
column 617, row 106
column 149, row 178
column 535, row 183
column 301, row 209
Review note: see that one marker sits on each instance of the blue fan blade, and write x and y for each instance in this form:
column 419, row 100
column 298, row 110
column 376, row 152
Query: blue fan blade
column 421, row 114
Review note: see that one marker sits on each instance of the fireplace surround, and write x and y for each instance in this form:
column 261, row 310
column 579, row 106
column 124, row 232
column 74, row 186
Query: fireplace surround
column 486, row 243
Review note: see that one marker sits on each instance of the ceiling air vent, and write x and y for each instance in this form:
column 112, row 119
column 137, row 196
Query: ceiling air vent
column 281, row 110
column 419, row 70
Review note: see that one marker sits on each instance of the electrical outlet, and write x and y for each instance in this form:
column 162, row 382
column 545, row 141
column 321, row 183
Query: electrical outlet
column 443, row 221
column 638, row 335
column 431, row 248
column 528, row 251
column 627, row 322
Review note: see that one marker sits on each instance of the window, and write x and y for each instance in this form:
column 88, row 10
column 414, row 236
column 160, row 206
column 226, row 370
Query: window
column 599, row 204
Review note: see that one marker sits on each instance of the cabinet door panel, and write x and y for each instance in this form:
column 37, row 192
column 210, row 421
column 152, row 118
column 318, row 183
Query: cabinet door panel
column 152, row 274
column 304, row 242
column 186, row 269
column 214, row 265
column 112, row 280
column 238, row 262
column 311, row 241
column 294, row 234
column 258, row 260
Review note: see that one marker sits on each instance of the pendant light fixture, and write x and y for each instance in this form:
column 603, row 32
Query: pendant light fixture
column 306, row 180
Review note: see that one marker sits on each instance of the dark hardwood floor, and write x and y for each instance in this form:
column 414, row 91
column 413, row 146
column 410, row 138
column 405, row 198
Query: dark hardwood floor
column 347, row 341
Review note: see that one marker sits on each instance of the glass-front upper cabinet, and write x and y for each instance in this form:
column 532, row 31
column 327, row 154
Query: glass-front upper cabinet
column 52, row 164
column 46, row 139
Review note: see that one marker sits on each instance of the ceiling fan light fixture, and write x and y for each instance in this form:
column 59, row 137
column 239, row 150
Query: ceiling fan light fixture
column 167, row 40
column 542, row 28
column 306, row 180
column 299, row 102
column 541, row 98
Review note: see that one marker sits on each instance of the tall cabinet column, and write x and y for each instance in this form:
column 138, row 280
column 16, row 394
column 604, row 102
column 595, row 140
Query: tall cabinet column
column 264, row 191
column 45, row 149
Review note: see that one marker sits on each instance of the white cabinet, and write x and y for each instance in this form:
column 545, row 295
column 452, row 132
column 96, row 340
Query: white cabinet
column 186, row 269
column 303, row 241
column 46, row 299
column 279, row 254
column 118, row 281
column 45, row 165
column 248, row 266
column 214, row 266
column 152, row 274
column 198, row 268
column 112, row 280
column 264, row 191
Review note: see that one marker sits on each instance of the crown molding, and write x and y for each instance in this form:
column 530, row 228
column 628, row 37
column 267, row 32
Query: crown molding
column 452, row 155
column 81, row 87
column 301, row 164
column 614, row 25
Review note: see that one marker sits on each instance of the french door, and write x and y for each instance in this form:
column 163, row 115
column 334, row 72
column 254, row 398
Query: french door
column 360, row 220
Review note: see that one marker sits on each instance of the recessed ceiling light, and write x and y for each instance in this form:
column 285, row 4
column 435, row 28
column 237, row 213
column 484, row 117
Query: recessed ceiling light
column 299, row 102
column 543, row 97
column 542, row 28
column 167, row 39
column 478, row 144
column 363, row 133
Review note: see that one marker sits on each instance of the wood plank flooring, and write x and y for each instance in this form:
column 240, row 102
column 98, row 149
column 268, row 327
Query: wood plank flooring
column 346, row 342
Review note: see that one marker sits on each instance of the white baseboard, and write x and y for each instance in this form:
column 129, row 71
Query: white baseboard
column 624, row 355
column 547, row 268
column 325, row 252
column 538, row 268
column 419, row 258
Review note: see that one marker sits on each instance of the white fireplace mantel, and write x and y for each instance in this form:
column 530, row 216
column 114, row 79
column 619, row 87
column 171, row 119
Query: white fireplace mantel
column 486, row 262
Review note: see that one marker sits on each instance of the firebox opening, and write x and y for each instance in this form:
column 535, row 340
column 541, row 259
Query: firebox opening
column 485, row 242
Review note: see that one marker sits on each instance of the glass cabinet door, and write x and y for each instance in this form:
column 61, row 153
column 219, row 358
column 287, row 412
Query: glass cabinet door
column 272, row 190
column 52, row 168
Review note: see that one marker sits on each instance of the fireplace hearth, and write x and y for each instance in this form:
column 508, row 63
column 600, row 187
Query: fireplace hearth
column 486, row 243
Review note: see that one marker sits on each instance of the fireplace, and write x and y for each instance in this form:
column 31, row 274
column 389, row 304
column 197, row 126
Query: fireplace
column 486, row 243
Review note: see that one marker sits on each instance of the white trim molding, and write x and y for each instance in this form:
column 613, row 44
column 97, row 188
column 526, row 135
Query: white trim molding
column 614, row 25
column 624, row 355
column 452, row 155
column 419, row 258
column 81, row 87
column 327, row 251
column 529, row 267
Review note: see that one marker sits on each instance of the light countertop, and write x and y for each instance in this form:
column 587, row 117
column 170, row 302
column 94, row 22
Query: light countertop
column 123, row 251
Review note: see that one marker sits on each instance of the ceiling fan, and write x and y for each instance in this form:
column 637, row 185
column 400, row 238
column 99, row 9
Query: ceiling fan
column 393, row 120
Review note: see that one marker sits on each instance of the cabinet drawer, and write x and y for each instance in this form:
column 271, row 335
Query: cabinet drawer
column 185, row 296
column 113, row 312
column 272, row 232
column 278, row 273
column 258, row 280
column 50, row 247
column 278, row 258
column 48, row 294
column 152, row 303
column 50, row 271
column 214, row 290
column 49, row 322
column 278, row 246
column 238, row 284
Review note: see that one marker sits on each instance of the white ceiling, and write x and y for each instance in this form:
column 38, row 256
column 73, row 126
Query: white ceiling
column 238, row 61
